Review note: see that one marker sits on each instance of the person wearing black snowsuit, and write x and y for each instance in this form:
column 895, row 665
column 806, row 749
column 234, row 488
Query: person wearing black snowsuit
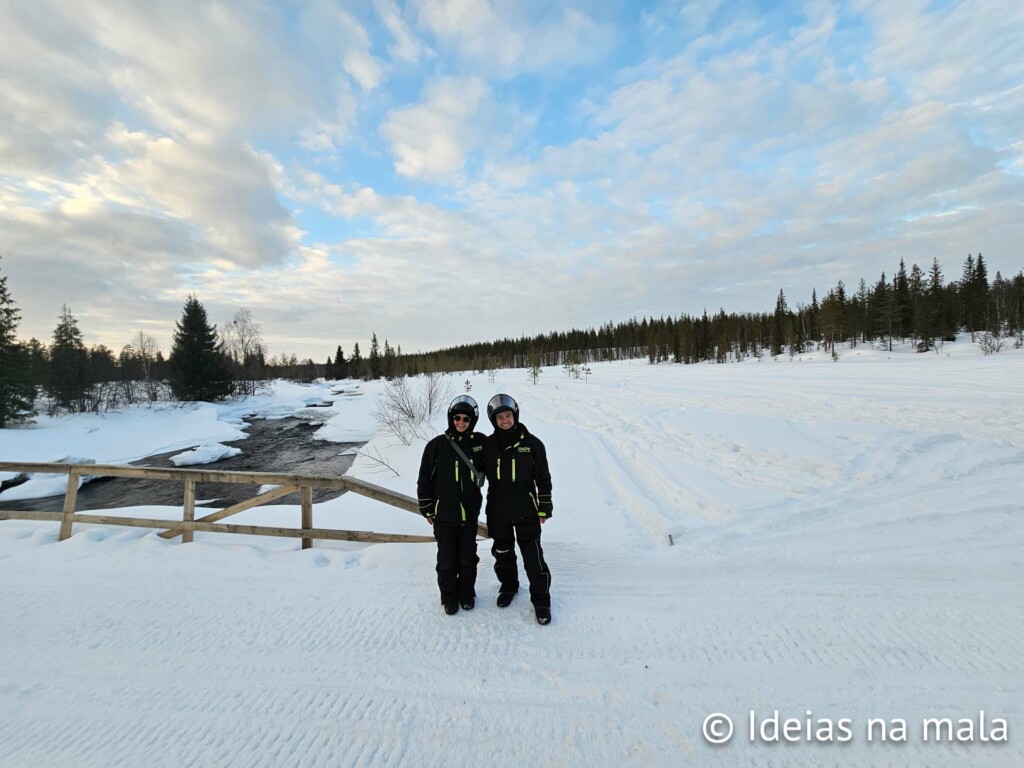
column 518, row 503
column 450, row 500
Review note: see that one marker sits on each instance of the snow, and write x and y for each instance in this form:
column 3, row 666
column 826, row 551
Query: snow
column 846, row 541
column 40, row 484
column 207, row 453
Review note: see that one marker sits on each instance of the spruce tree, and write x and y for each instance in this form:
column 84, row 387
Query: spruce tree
column 981, row 294
column 780, row 324
column 903, row 309
column 340, row 364
column 389, row 363
column 356, row 363
column 67, row 380
column 375, row 363
column 883, row 309
column 814, row 317
column 37, row 360
column 968, row 311
column 199, row 370
column 17, row 391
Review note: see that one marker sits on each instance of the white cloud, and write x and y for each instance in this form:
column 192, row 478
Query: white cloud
column 752, row 157
column 405, row 46
column 430, row 140
column 509, row 37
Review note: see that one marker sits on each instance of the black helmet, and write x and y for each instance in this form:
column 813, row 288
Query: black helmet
column 466, row 405
column 499, row 404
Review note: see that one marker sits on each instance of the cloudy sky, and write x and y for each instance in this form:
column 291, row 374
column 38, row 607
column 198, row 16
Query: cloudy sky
column 446, row 171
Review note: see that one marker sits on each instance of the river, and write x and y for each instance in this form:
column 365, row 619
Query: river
column 274, row 445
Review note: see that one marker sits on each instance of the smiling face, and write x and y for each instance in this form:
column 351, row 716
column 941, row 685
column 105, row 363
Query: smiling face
column 461, row 422
column 505, row 420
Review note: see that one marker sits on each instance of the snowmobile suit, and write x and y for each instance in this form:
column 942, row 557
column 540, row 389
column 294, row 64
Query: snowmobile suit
column 446, row 487
column 518, row 496
column 449, row 496
column 518, row 478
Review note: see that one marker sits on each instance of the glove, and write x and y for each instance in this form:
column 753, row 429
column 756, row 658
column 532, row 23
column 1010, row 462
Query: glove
column 427, row 508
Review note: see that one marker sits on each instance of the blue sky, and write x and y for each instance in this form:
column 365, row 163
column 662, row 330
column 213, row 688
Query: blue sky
column 446, row 171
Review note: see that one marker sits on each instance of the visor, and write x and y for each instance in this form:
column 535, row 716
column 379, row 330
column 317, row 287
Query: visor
column 500, row 403
column 464, row 404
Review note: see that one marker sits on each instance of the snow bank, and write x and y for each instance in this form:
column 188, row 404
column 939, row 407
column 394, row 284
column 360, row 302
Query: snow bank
column 42, row 484
column 207, row 453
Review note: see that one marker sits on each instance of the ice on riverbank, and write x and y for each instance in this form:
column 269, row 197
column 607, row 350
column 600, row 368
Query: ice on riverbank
column 207, row 453
column 42, row 484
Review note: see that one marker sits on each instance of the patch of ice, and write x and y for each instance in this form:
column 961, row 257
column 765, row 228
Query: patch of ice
column 207, row 453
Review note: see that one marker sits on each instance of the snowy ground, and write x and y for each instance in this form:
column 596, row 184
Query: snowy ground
column 847, row 542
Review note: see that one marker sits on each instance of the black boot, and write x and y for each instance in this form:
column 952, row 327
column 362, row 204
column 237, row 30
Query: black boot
column 451, row 607
column 505, row 598
column 543, row 614
column 468, row 603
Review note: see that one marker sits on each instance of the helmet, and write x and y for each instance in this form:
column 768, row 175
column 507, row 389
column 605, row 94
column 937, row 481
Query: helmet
column 499, row 404
column 466, row 405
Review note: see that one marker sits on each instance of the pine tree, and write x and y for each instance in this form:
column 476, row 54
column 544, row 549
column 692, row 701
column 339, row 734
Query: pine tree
column 884, row 309
column 932, row 321
column 37, row 360
column 533, row 369
column 814, row 317
column 389, row 364
column 67, row 380
column 340, row 364
column 918, row 311
column 374, row 359
column 780, row 324
column 968, row 311
column 903, row 310
column 199, row 370
column 17, row 391
column 356, row 363
column 981, row 295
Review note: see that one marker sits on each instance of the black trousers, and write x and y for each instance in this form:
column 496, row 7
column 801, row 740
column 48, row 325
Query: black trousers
column 527, row 532
column 456, row 559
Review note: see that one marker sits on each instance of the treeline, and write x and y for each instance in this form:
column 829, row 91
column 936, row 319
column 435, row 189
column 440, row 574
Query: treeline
column 916, row 306
column 210, row 364
column 204, row 364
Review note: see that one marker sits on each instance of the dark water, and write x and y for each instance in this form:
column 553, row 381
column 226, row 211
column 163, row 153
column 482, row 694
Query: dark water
column 280, row 445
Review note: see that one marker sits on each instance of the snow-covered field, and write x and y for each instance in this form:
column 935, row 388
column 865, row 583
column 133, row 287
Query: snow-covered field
column 846, row 545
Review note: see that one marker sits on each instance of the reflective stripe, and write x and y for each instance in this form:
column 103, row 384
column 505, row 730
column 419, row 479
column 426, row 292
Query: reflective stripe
column 456, row 471
column 513, row 469
column 499, row 467
column 463, row 512
column 535, row 504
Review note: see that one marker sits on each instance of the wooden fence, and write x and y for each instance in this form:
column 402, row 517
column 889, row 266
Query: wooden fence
column 287, row 484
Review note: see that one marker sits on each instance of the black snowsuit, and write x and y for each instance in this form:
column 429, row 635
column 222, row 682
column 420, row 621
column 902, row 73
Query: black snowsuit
column 448, row 494
column 518, row 495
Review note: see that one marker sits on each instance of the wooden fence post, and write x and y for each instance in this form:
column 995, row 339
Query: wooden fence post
column 306, row 496
column 189, row 512
column 70, row 497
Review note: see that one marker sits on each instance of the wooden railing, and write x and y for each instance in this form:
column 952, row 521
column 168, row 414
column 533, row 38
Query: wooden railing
column 287, row 484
